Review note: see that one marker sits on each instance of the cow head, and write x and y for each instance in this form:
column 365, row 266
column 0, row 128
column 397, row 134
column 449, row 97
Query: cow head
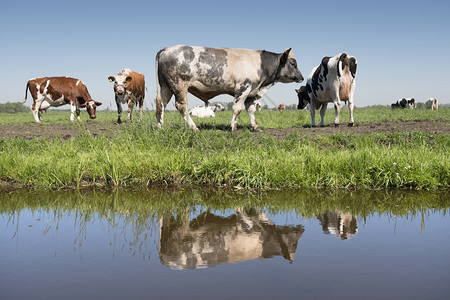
column 91, row 107
column 303, row 97
column 288, row 69
column 120, row 84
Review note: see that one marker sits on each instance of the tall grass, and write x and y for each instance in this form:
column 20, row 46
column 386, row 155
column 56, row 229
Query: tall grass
column 142, row 155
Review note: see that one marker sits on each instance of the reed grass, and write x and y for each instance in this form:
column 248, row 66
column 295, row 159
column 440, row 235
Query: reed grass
column 141, row 155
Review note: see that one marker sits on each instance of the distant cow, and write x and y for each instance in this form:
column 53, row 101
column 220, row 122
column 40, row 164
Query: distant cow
column 210, row 240
column 432, row 103
column 202, row 112
column 129, row 87
column 334, row 80
column 208, row 72
column 57, row 91
column 206, row 111
column 404, row 102
column 281, row 107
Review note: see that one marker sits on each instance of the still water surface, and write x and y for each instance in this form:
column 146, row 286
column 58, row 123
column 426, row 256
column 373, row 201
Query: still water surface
column 165, row 244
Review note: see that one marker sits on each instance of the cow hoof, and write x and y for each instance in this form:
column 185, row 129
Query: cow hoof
column 351, row 124
column 336, row 125
column 256, row 129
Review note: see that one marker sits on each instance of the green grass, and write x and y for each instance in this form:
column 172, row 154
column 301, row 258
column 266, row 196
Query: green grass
column 141, row 155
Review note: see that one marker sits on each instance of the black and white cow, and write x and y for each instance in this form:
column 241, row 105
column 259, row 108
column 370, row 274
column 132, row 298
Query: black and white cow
column 334, row 80
column 207, row 72
column 404, row 102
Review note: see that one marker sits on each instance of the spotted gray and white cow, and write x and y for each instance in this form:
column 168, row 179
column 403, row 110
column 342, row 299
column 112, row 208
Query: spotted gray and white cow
column 129, row 88
column 57, row 91
column 209, row 240
column 207, row 72
column 334, row 80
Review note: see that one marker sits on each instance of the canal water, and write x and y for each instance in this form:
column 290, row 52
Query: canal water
column 207, row 244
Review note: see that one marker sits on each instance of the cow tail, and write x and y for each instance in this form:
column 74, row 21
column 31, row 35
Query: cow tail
column 26, row 92
column 158, row 87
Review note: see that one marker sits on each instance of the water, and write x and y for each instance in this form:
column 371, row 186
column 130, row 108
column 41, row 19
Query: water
column 166, row 244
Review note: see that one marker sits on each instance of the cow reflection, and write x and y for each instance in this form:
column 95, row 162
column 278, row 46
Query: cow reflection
column 210, row 240
column 342, row 225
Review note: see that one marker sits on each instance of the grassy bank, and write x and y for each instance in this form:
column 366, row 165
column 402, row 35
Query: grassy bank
column 141, row 155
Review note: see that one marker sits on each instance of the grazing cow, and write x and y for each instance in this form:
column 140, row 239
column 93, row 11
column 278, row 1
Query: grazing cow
column 281, row 107
column 334, row 80
column 403, row 103
column 57, row 91
column 210, row 240
column 258, row 106
column 208, row 72
column 129, row 87
column 432, row 103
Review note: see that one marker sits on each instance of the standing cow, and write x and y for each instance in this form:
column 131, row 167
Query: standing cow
column 334, row 80
column 432, row 103
column 57, row 91
column 207, row 72
column 129, row 87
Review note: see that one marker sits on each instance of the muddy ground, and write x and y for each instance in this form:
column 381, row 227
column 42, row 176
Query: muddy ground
column 110, row 129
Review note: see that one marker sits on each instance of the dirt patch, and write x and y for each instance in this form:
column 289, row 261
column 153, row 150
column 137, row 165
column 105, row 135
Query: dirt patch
column 110, row 129
column 429, row 126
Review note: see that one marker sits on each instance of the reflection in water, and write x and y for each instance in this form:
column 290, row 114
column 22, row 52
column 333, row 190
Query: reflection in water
column 342, row 225
column 130, row 220
column 210, row 240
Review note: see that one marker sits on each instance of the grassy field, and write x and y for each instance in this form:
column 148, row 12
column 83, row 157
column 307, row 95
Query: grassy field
column 140, row 155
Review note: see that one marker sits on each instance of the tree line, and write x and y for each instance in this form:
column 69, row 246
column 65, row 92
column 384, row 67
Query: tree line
column 13, row 108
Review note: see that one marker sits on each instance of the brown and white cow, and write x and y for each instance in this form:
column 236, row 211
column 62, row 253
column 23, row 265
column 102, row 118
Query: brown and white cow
column 57, row 91
column 208, row 72
column 432, row 103
column 334, row 80
column 129, row 87
column 281, row 107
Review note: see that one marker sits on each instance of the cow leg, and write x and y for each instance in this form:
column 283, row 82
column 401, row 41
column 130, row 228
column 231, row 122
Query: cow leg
column 323, row 109
column 130, row 108
column 141, row 107
column 73, row 109
column 251, row 109
column 163, row 96
column 351, row 122
column 337, row 110
column 239, row 100
column 181, row 105
column 312, row 110
column 36, row 113
column 119, row 110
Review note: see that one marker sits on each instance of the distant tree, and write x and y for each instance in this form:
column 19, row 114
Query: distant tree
column 13, row 108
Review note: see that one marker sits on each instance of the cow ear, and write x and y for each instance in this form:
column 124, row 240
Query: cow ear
column 111, row 78
column 83, row 104
column 128, row 79
column 285, row 55
column 97, row 103
column 298, row 91
column 353, row 65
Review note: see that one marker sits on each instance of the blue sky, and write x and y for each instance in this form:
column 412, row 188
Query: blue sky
column 402, row 47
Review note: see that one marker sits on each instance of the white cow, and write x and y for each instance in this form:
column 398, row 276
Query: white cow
column 432, row 103
column 334, row 80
